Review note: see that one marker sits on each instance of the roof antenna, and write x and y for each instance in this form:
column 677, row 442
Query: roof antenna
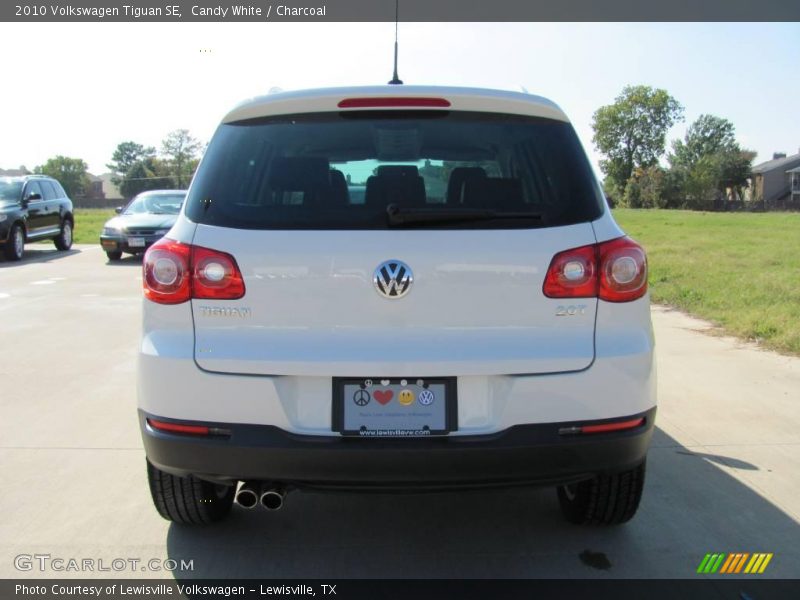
column 395, row 79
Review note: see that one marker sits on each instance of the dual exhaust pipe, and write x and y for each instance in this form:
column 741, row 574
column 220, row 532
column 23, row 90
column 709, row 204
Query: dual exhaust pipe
column 251, row 494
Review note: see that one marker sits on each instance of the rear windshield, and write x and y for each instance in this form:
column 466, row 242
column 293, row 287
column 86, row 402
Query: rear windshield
column 350, row 170
column 155, row 204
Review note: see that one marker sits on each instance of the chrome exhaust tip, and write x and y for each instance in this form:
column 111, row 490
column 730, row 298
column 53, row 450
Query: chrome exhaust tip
column 272, row 498
column 247, row 497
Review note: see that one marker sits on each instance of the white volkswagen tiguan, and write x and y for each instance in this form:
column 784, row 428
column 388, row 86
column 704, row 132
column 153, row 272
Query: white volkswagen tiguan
column 393, row 288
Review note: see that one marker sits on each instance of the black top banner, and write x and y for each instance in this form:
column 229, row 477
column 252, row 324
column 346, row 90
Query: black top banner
column 409, row 10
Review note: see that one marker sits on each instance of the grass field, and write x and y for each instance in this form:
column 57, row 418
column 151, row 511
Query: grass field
column 89, row 224
column 738, row 270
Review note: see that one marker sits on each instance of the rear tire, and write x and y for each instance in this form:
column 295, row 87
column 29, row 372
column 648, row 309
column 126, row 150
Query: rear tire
column 604, row 500
column 64, row 239
column 188, row 500
column 15, row 244
column 115, row 255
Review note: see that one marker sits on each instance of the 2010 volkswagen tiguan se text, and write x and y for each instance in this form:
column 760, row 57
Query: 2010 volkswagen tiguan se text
column 395, row 288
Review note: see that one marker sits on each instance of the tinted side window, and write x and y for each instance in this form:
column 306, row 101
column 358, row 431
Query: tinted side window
column 348, row 170
column 48, row 191
column 32, row 187
column 59, row 190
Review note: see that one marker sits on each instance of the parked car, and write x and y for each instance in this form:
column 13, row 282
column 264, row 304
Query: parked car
column 479, row 320
column 33, row 208
column 144, row 221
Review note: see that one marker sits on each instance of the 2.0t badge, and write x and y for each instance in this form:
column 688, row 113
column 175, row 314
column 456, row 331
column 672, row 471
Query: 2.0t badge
column 393, row 279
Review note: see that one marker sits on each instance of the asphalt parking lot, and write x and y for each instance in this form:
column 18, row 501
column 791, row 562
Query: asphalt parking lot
column 722, row 473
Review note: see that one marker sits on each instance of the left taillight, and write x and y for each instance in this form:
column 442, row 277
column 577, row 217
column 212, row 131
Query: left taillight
column 615, row 271
column 167, row 276
column 175, row 272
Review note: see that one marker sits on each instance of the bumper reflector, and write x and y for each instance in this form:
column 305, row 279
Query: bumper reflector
column 603, row 427
column 179, row 428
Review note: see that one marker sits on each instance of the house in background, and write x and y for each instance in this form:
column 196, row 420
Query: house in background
column 110, row 190
column 14, row 172
column 795, row 182
column 94, row 191
column 773, row 182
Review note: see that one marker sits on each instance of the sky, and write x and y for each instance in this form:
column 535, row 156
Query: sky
column 79, row 89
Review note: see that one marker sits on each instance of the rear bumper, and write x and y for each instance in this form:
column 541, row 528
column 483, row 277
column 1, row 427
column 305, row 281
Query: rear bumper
column 120, row 243
column 533, row 454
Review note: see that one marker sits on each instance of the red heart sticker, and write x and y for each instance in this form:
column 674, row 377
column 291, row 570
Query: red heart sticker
column 383, row 396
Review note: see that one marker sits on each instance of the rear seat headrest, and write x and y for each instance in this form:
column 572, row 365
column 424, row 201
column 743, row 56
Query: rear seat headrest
column 493, row 192
column 458, row 176
column 398, row 171
column 298, row 173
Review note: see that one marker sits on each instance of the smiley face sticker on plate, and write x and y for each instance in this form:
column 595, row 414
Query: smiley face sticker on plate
column 406, row 397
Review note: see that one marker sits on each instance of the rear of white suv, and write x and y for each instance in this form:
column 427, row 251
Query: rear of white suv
column 395, row 288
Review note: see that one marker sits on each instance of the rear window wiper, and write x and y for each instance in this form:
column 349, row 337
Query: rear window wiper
column 410, row 216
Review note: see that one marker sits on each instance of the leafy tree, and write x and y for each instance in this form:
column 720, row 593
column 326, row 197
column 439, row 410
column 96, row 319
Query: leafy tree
column 613, row 192
column 125, row 157
column 707, row 135
column 710, row 163
column 632, row 131
column 181, row 153
column 715, row 178
column 70, row 172
column 148, row 173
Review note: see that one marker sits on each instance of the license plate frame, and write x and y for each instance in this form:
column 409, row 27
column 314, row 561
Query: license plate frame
column 444, row 420
column 136, row 242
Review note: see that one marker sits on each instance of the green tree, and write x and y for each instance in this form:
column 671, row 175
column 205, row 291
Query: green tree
column 632, row 131
column 614, row 194
column 707, row 135
column 125, row 157
column 148, row 173
column 716, row 178
column 646, row 187
column 710, row 163
column 181, row 154
column 70, row 172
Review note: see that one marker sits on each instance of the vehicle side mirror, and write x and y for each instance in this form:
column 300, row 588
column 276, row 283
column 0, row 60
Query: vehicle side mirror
column 118, row 210
column 34, row 196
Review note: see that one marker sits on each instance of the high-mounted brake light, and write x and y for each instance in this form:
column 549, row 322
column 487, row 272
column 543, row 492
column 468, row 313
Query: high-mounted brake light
column 175, row 272
column 615, row 271
column 398, row 102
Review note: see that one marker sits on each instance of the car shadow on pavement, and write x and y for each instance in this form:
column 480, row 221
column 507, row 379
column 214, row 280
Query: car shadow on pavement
column 38, row 255
column 691, row 507
column 127, row 260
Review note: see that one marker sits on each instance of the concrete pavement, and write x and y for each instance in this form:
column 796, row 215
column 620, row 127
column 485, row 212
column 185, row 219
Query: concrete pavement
column 722, row 472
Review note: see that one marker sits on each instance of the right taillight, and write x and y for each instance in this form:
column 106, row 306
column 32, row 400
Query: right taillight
column 216, row 275
column 175, row 272
column 623, row 270
column 615, row 271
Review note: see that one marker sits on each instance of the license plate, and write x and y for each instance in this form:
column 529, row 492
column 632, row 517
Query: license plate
column 136, row 242
column 394, row 407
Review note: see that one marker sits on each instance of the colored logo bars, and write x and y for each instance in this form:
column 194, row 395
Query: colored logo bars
column 738, row 562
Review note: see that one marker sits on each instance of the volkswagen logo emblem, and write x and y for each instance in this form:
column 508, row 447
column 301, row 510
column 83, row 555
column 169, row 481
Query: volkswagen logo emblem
column 393, row 279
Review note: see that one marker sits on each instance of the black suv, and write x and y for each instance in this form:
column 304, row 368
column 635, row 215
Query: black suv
column 33, row 208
